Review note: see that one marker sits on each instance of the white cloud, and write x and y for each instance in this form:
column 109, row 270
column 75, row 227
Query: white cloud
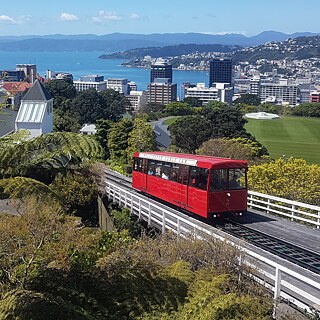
column 8, row 19
column 222, row 33
column 68, row 17
column 106, row 16
column 134, row 16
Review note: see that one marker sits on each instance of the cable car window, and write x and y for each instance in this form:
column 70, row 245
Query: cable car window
column 219, row 180
column 185, row 175
column 135, row 164
column 228, row 179
column 174, row 172
column 199, row 178
column 202, row 178
column 158, row 169
column 180, row 172
column 166, row 168
column 151, row 167
column 138, row 165
column 193, row 175
column 237, row 178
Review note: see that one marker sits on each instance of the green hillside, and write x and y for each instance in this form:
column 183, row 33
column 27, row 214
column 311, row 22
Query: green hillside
column 289, row 136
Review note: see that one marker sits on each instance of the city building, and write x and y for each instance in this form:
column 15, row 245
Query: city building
column 304, row 92
column 36, row 111
column 184, row 87
column 13, row 92
column 119, row 85
column 161, row 69
column 138, row 99
column 220, row 71
column 12, row 75
column 314, row 96
column 90, row 81
column 161, row 91
column 222, row 92
column 255, row 85
column 29, row 70
column 132, row 86
column 52, row 75
column 88, row 129
column 280, row 93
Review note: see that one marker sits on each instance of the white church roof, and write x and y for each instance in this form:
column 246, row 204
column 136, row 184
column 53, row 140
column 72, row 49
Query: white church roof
column 31, row 112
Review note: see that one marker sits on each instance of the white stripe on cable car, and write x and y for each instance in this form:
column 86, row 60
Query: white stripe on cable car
column 187, row 162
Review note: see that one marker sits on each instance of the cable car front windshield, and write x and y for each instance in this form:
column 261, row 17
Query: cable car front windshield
column 228, row 179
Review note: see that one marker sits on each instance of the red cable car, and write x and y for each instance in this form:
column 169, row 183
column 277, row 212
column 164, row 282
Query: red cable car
column 204, row 185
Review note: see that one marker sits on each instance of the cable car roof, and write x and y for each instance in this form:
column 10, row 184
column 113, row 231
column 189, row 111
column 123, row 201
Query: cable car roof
column 192, row 160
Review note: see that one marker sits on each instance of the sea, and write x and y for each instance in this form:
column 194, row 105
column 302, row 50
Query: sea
column 84, row 63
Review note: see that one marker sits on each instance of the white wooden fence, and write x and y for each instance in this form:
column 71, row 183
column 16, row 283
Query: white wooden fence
column 296, row 211
column 286, row 283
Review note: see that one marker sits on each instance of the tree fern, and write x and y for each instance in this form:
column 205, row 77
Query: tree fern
column 53, row 151
column 20, row 187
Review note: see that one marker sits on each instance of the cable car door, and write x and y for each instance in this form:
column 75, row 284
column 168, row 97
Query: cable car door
column 184, row 185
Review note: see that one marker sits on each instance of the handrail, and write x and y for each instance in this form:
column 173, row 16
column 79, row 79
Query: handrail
column 296, row 211
column 183, row 225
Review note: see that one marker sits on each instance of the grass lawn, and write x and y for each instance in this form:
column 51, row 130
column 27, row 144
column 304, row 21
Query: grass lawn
column 290, row 136
column 170, row 120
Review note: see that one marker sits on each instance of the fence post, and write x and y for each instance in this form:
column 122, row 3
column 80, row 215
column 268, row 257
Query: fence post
column 277, row 290
column 149, row 216
column 139, row 210
column 293, row 207
column 163, row 222
column 125, row 199
column 318, row 227
column 268, row 206
column 131, row 207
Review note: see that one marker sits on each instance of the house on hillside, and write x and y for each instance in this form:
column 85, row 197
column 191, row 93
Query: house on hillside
column 14, row 92
column 36, row 111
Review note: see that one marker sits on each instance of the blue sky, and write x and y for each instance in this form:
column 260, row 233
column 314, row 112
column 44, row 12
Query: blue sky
column 248, row 17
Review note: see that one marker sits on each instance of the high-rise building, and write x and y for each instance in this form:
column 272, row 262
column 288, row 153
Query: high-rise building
column 138, row 99
column 118, row 84
column 30, row 71
column 220, row 71
column 218, row 91
column 161, row 69
column 280, row 93
column 161, row 91
column 90, row 81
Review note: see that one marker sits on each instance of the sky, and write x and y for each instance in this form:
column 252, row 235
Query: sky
column 247, row 17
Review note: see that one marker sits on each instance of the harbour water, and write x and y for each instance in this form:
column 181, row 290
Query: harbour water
column 84, row 63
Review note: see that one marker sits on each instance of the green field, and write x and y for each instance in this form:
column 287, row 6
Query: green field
column 170, row 120
column 289, row 136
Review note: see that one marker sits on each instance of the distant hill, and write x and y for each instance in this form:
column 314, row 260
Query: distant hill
column 122, row 41
column 170, row 51
column 296, row 48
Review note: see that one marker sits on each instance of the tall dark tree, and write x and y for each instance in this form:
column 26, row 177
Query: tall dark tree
column 60, row 90
column 193, row 102
column 250, row 99
column 114, row 103
column 118, row 138
column 65, row 121
column 89, row 106
column 103, row 127
column 226, row 122
column 189, row 132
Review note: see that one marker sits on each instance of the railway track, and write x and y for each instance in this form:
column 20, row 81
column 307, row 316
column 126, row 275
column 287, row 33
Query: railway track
column 286, row 250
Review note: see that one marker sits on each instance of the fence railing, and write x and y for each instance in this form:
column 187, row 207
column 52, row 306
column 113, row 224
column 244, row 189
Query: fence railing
column 296, row 211
column 299, row 289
